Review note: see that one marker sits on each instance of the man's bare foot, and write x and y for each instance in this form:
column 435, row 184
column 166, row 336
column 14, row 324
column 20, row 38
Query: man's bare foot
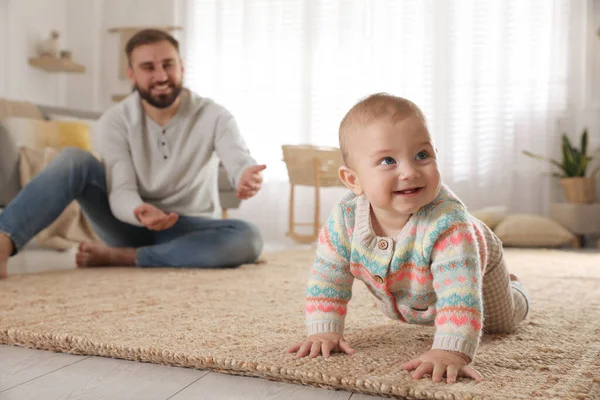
column 3, row 269
column 99, row 255
column 513, row 277
column 6, row 249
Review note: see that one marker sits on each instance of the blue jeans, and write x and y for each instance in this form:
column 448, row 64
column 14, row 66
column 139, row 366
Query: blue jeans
column 77, row 175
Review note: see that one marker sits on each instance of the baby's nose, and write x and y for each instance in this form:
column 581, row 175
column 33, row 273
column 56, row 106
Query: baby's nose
column 408, row 173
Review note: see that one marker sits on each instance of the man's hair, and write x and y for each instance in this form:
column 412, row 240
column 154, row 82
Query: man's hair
column 148, row 36
column 373, row 108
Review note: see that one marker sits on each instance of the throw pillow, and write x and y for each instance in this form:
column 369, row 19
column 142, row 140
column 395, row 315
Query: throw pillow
column 524, row 230
column 491, row 216
column 39, row 134
column 72, row 134
column 9, row 165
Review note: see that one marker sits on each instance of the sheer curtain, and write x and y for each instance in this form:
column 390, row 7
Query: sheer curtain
column 493, row 77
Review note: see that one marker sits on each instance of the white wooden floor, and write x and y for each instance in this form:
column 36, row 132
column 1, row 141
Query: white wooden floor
column 35, row 374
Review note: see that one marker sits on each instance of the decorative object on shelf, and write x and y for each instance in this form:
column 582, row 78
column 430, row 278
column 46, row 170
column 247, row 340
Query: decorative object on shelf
column 65, row 54
column 49, row 47
column 50, row 59
column 309, row 165
column 577, row 187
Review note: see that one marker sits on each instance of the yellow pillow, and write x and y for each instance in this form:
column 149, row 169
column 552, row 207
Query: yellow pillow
column 39, row 134
column 524, row 230
column 72, row 134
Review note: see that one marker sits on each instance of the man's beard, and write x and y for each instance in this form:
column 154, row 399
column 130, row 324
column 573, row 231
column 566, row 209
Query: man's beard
column 162, row 100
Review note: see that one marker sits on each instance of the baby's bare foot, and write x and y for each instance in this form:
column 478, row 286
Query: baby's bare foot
column 513, row 277
column 99, row 255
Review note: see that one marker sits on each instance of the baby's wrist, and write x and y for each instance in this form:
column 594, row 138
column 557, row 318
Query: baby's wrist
column 461, row 355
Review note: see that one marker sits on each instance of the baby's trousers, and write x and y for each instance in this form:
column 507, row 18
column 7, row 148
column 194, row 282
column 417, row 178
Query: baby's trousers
column 505, row 302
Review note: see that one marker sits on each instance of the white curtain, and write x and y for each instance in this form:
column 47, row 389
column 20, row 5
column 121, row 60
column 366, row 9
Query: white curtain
column 493, row 77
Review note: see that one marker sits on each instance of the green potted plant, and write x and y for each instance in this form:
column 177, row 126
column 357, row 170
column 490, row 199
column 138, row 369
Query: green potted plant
column 577, row 186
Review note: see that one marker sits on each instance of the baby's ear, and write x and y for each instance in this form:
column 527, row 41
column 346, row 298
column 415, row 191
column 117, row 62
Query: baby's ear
column 350, row 180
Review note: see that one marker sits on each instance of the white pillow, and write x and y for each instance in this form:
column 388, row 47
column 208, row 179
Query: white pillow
column 524, row 230
column 491, row 216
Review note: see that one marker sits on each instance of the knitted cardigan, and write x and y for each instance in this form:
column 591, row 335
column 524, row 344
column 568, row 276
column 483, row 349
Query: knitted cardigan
column 430, row 273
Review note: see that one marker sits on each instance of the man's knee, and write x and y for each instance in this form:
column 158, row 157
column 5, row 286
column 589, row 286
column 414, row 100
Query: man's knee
column 77, row 165
column 76, row 157
column 249, row 241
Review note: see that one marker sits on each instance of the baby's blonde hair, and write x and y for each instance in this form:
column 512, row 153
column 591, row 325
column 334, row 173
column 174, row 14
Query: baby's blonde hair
column 372, row 108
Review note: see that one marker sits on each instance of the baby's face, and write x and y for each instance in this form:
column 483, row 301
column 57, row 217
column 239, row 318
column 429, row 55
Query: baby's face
column 396, row 166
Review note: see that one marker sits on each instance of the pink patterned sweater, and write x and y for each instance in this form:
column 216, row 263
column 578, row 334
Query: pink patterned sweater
column 431, row 273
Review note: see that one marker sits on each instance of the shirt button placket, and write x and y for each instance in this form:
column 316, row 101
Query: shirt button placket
column 383, row 245
column 164, row 131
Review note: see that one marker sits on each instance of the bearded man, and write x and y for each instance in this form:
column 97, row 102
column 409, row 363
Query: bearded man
column 153, row 197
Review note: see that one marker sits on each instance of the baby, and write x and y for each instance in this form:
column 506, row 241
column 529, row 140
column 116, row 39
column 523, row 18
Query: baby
column 413, row 244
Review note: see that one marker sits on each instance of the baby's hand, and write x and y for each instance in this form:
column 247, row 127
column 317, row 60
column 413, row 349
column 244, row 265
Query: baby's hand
column 440, row 362
column 323, row 343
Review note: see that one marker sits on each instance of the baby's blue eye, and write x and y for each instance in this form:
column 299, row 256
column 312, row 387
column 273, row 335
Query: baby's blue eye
column 388, row 161
column 422, row 155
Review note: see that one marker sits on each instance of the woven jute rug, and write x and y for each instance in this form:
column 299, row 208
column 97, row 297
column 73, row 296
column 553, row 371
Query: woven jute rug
column 242, row 321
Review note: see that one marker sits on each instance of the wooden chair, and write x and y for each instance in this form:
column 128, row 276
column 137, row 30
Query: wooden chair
column 315, row 166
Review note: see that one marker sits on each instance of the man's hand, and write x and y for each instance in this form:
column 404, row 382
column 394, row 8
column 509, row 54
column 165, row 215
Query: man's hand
column 438, row 363
column 250, row 182
column 154, row 218
column 323, row 343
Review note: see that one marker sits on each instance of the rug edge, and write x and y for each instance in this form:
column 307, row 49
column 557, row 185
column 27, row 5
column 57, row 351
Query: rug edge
column 80, row 346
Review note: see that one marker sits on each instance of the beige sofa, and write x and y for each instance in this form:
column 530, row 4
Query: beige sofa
column 10, row 141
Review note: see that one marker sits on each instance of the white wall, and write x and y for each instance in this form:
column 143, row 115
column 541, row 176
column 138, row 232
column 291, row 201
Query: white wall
column 84, row 26
column 588, row 114
column 120, row 13
column 591, row 115
column 3, row 44
column 586, row 101
column 88, row 23
column 85, row 33
column 22, row 25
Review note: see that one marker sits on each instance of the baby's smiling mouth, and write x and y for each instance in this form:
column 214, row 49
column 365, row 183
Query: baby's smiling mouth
column 409, row 191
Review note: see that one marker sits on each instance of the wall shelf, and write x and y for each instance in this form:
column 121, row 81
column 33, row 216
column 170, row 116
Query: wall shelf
column 56, row 65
